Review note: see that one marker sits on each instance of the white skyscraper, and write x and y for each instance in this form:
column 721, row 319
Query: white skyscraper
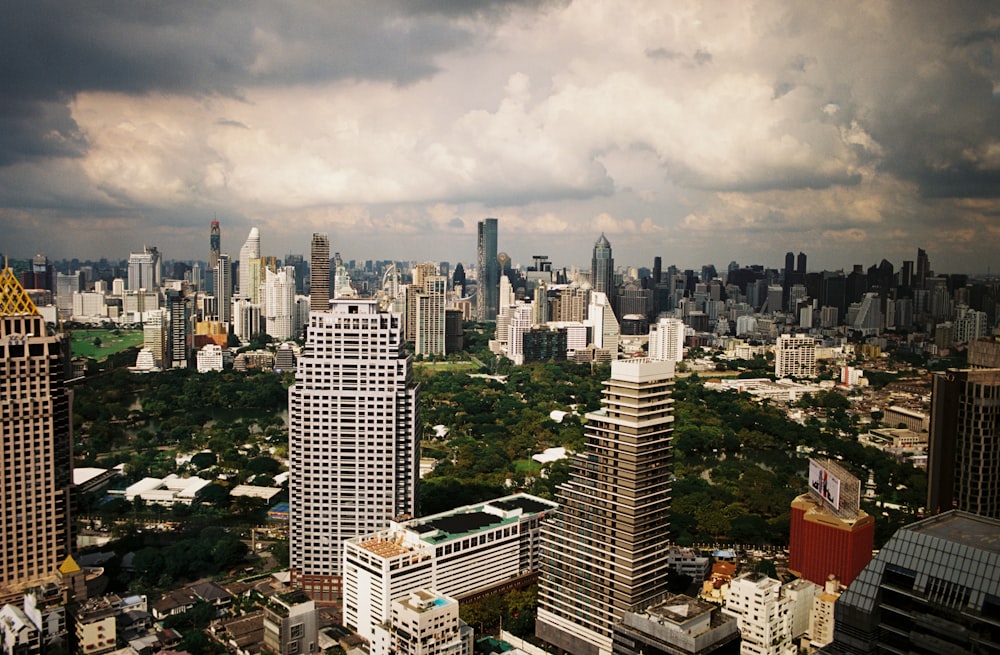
column 353, row 438
column 279, row 303
column 666, row 340
column 250, row 251
column 601, row 316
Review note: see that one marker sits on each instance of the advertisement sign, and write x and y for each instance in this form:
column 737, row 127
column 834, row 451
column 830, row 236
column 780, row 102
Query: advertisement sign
column 824, row 484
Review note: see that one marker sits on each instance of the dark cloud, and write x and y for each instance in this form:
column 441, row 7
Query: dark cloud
column 52, row 50
column 663, row 53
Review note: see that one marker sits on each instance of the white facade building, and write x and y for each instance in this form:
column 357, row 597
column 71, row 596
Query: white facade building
column 89, row 304
column 353, row 438
column 248, row 253
column 762, row 613
column 458, row 552
column 795, row 356
column 210, row 358
column 601, row 316
column 423, row 623
column 521, row 321
column 666, row 340
column 429, row 319
column 279, row 304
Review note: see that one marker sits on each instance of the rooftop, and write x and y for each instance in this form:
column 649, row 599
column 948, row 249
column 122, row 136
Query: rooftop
column 463, row 521
column 678, row 609
column 961, row 527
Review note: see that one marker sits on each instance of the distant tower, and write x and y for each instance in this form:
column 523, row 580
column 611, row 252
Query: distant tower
column 603, row 551
column 487, row 271
column 353, row 438
column 602, row 268
column 319, row 275
column 800, row 267
column 214, row 249
column 37, row 447
column 144, row 270
column 923, row 269
column 249, row 257
column 458, row 279
column 224, row 288
column 963, row 450
column 657, row 270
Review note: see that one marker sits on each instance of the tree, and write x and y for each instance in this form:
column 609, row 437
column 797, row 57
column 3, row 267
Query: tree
column 97, row 342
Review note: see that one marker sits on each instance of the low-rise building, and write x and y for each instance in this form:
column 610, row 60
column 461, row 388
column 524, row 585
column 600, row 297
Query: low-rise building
column 675, row 625
column 459, row 553
column 423, row 623
column 290, row 624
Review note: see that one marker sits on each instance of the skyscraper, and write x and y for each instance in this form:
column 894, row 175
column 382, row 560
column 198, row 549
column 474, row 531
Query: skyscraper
column 963, row 449
column 37, row 446
column 214, row 248
column 249, row 256
column 353, row 438
column 487, row 271
column 923, row 269
column 144, row 270
column 319, row 273
column 603, row 551
column 279, row 303
column 602, row 269
column 224, row 288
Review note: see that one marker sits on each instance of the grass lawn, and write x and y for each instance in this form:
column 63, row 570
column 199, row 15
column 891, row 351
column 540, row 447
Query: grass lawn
column 523, row 465
column 459, row 367
column 83, row 342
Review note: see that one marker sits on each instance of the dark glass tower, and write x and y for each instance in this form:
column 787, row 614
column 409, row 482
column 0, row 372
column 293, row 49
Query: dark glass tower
column 319, row 273
column 488, row 271
column 214, row 250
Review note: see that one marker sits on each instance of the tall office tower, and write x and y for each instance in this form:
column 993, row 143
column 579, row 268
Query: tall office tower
column 224, row 288
column 144, row 270
column 319, row 273
column 37, row 447
column 666, row 340
column 520, row 324
column 829, row 534
column 601, row 316
column 429, row 330
column 963, row 450
column 279, row 303
column 214, row 249
column 249, row 253
column 540, row 304
column 41, row 275
column 602, row 268
column 353, row 438
column 458, row 280
column 573, row 303
column 487, row 271
column 154, row 336
column 180, row 314
column 933, row 588
column 603, row 550
column 923, row 269
column 657, row 270
column 800, row 267
column 795, row 356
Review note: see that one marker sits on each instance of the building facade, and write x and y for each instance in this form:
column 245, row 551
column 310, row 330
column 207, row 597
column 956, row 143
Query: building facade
column 37, row 445
column 461, row 552
column 353, row 438
column 795, row 356
column 423, row 623
column 602, row 268
column 487, row 271
column 319, row 273
column 963, row 456
column 604, row 551
column 933, row 588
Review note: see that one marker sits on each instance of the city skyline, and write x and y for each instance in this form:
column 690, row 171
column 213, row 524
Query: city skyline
column 695, row 132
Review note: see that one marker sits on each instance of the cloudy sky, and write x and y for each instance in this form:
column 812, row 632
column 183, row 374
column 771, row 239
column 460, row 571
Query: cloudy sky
column 703, row 132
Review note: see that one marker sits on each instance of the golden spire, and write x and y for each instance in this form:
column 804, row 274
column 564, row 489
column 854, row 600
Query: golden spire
column 13, row 300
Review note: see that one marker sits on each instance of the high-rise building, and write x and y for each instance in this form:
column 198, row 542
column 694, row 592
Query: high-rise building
column 601, row 316
column 224, row 288
column 144, row 271
column 933, row 588
column 602, row 268
column 180, row 314
column 487, row 271
column 666, row 340
column 353, row 438
column 603, row 551
column 829, row 533
column 214, row 249
column 429, row 332
column 319, row 273
column 963, row 449
column 279, row 304
column 37, row 445
column 795, row 356
column 250, row 269
column 923, row 269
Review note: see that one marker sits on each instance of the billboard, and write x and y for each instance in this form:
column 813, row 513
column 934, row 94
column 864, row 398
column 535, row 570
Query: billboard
column 824, row 484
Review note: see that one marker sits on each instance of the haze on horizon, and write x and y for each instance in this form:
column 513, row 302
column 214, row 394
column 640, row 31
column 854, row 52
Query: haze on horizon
column 701, row 132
